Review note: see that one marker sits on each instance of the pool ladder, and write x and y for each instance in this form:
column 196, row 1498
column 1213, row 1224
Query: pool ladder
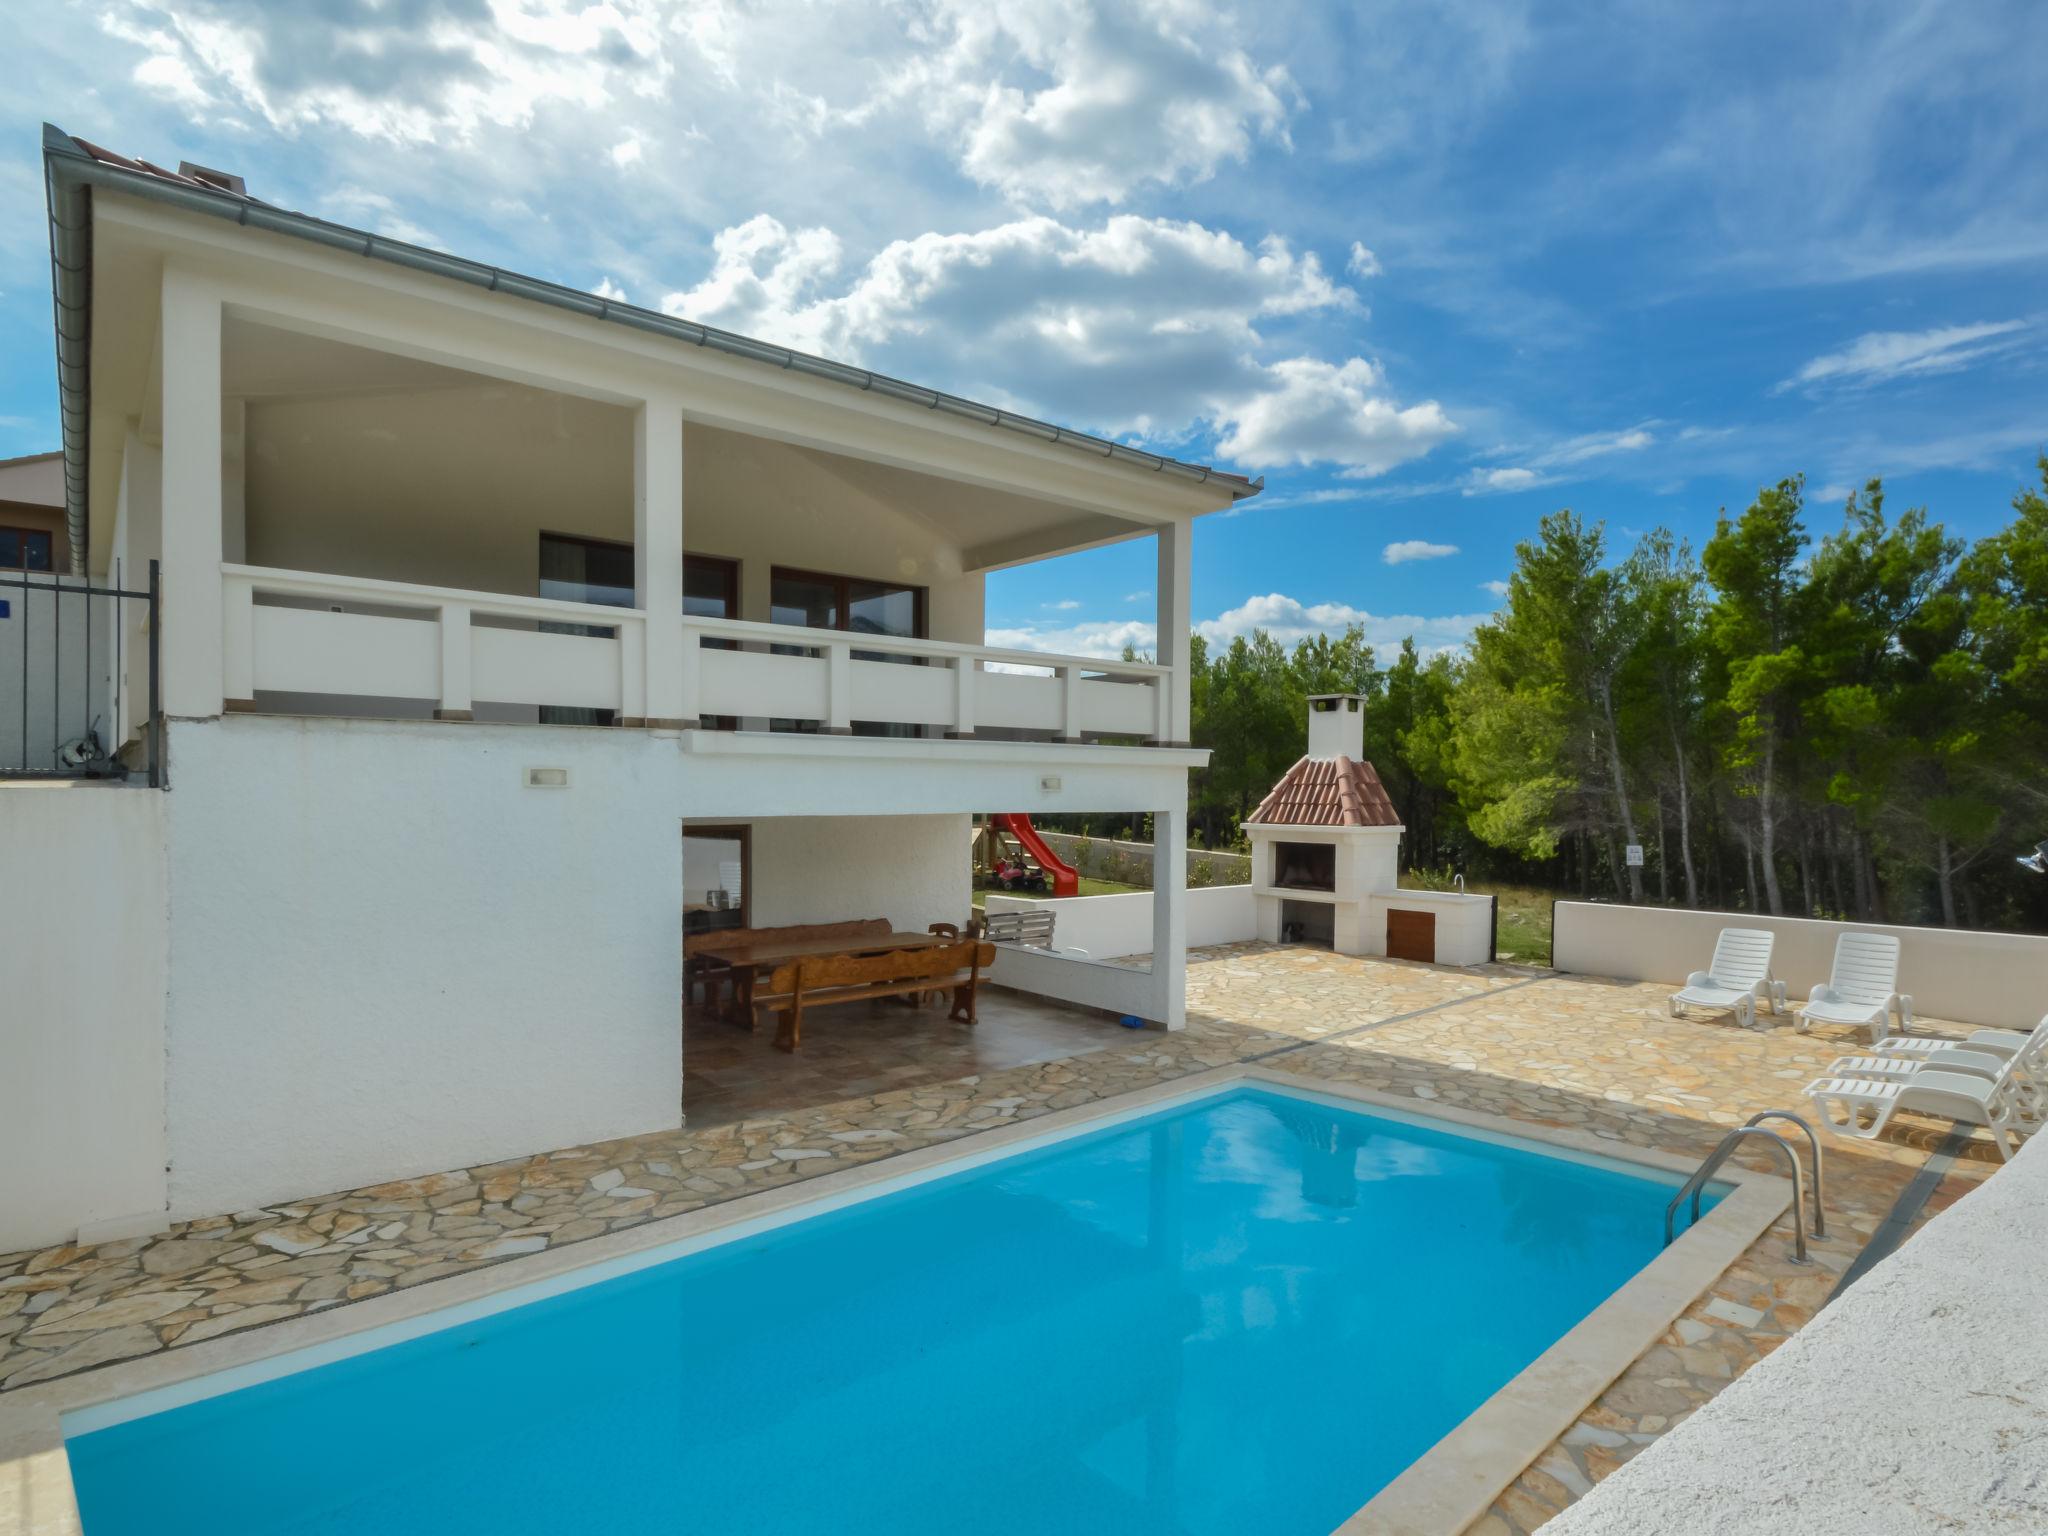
column 1753, row 1127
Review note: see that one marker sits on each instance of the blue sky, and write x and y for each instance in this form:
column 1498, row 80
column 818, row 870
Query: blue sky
column 1434, row 269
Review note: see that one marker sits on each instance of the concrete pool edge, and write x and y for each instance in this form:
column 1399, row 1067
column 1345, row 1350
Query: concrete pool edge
column 36, row 1496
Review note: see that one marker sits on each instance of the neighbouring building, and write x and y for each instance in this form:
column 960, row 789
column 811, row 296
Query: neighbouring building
column 504, row 630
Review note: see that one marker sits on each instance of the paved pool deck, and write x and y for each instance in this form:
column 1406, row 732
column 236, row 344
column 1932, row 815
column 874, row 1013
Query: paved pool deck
column 1529, row 1045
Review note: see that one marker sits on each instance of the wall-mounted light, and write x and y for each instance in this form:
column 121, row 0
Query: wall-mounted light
column 547, row 778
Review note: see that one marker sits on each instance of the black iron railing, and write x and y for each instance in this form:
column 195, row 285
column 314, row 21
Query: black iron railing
column 67, row 652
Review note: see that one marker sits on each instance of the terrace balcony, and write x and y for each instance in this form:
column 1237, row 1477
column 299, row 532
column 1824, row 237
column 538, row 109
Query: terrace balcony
column 308, row 643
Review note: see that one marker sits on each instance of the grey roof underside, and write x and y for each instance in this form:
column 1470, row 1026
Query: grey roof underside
column 72, row 169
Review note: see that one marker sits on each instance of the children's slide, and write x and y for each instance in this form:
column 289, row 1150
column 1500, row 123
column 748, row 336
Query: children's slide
column 1066, row 881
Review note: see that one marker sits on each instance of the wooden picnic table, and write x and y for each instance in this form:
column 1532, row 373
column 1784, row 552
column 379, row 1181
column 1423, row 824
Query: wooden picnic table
column 749, row 957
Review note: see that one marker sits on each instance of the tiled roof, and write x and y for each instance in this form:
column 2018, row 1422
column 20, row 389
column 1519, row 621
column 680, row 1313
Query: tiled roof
column 1328, row 792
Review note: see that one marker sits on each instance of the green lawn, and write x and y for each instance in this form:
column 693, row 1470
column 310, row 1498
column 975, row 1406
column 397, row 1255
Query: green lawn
column 1524, row 932
column 1524, row 923
column 1090, row 886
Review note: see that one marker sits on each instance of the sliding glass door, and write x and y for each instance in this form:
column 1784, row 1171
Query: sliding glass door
column 819, row 600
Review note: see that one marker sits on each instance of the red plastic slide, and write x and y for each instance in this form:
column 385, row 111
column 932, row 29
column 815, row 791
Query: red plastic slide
column 1066, row 881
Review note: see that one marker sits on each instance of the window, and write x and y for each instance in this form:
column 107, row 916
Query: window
column 816, row 600
column 579, row 570
column 27, row 549
column 711, row 590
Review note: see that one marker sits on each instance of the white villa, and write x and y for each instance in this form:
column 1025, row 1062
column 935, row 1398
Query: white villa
column 478, row 593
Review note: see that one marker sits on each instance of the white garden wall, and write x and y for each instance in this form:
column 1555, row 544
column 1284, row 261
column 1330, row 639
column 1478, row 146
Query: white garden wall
column 1107, row 927
column 1122, row 990
column 1967, row 977
column 388, row 956
column 913, row 870
column 82, row 941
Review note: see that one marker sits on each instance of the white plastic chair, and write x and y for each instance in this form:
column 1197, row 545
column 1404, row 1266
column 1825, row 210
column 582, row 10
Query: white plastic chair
column 1864, row 988
column 1738, row 977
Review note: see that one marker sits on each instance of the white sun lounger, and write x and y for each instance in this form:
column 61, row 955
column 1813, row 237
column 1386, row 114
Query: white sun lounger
column 1738, row 977
column 1994, row 1042
column 1862, row 1106
column 1864, row 988
column 1987, row 1053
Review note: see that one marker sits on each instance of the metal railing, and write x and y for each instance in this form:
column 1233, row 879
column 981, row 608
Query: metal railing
column 1695, row 1185
column 67, row 652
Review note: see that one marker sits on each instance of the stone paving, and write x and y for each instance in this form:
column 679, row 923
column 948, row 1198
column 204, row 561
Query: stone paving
column 1533, row 1046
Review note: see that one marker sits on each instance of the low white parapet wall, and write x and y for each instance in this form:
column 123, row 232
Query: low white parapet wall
column 1122, row 990
column 1105, row 927
column 1913, row 1403
column 84, row 936
column 1963, row 975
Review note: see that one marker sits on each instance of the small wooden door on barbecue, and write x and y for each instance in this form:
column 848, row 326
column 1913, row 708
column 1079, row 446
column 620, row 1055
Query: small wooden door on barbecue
column 1411, row 936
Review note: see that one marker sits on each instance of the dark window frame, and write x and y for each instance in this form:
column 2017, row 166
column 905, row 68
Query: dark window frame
column 842, row 583
column 24, row 533
column 743, row 832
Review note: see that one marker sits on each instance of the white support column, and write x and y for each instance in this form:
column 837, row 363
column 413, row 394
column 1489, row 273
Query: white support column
column 658, row 558
column 1070, row 704
column 1170, row 916
column 966, row 669
column 190, row 652
column 839, row 689
column 455, row 692
column 1176, row 541
column 238, row 643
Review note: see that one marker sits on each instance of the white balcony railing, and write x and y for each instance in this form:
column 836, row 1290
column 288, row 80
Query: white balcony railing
column 300, row 634
column 836, row 678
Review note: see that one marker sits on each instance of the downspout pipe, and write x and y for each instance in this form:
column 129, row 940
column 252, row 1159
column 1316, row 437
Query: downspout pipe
column 70, row 174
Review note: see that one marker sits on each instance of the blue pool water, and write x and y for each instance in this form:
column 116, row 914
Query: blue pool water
column 1245, row 1314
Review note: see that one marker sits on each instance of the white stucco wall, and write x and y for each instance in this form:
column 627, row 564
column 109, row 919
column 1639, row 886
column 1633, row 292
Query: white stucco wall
column 82, row 944
column 1464, row 923
column 388, row 956
column 1998, row 979
column 1916, row 1403
column 369, row 486
column 1106, row 927
column 913, row 870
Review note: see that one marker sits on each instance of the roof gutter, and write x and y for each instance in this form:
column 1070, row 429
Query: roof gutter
column 71, row 308
column 70, row 174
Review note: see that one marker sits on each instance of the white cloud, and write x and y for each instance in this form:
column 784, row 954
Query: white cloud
column 1103, row 638
column 1288, row 620
column 1137, row 597
column 1062, row 103
column 1308, row 410
column 1065, row 605
column 1595, row 445
column 1549, row 465
column 1877, row 356
column 1145, row 327
column 1497, row 588
column 607, row 289
column 422, row 73
column 1488, row 482
column 1416, row 549
column 377, row 213
column 1362, row 262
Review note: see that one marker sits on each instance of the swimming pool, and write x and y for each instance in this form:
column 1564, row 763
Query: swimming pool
column 1250, row 1311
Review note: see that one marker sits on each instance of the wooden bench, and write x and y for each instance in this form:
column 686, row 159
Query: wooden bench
column 1033, row 927
column 910, row 973
column 714, row 974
